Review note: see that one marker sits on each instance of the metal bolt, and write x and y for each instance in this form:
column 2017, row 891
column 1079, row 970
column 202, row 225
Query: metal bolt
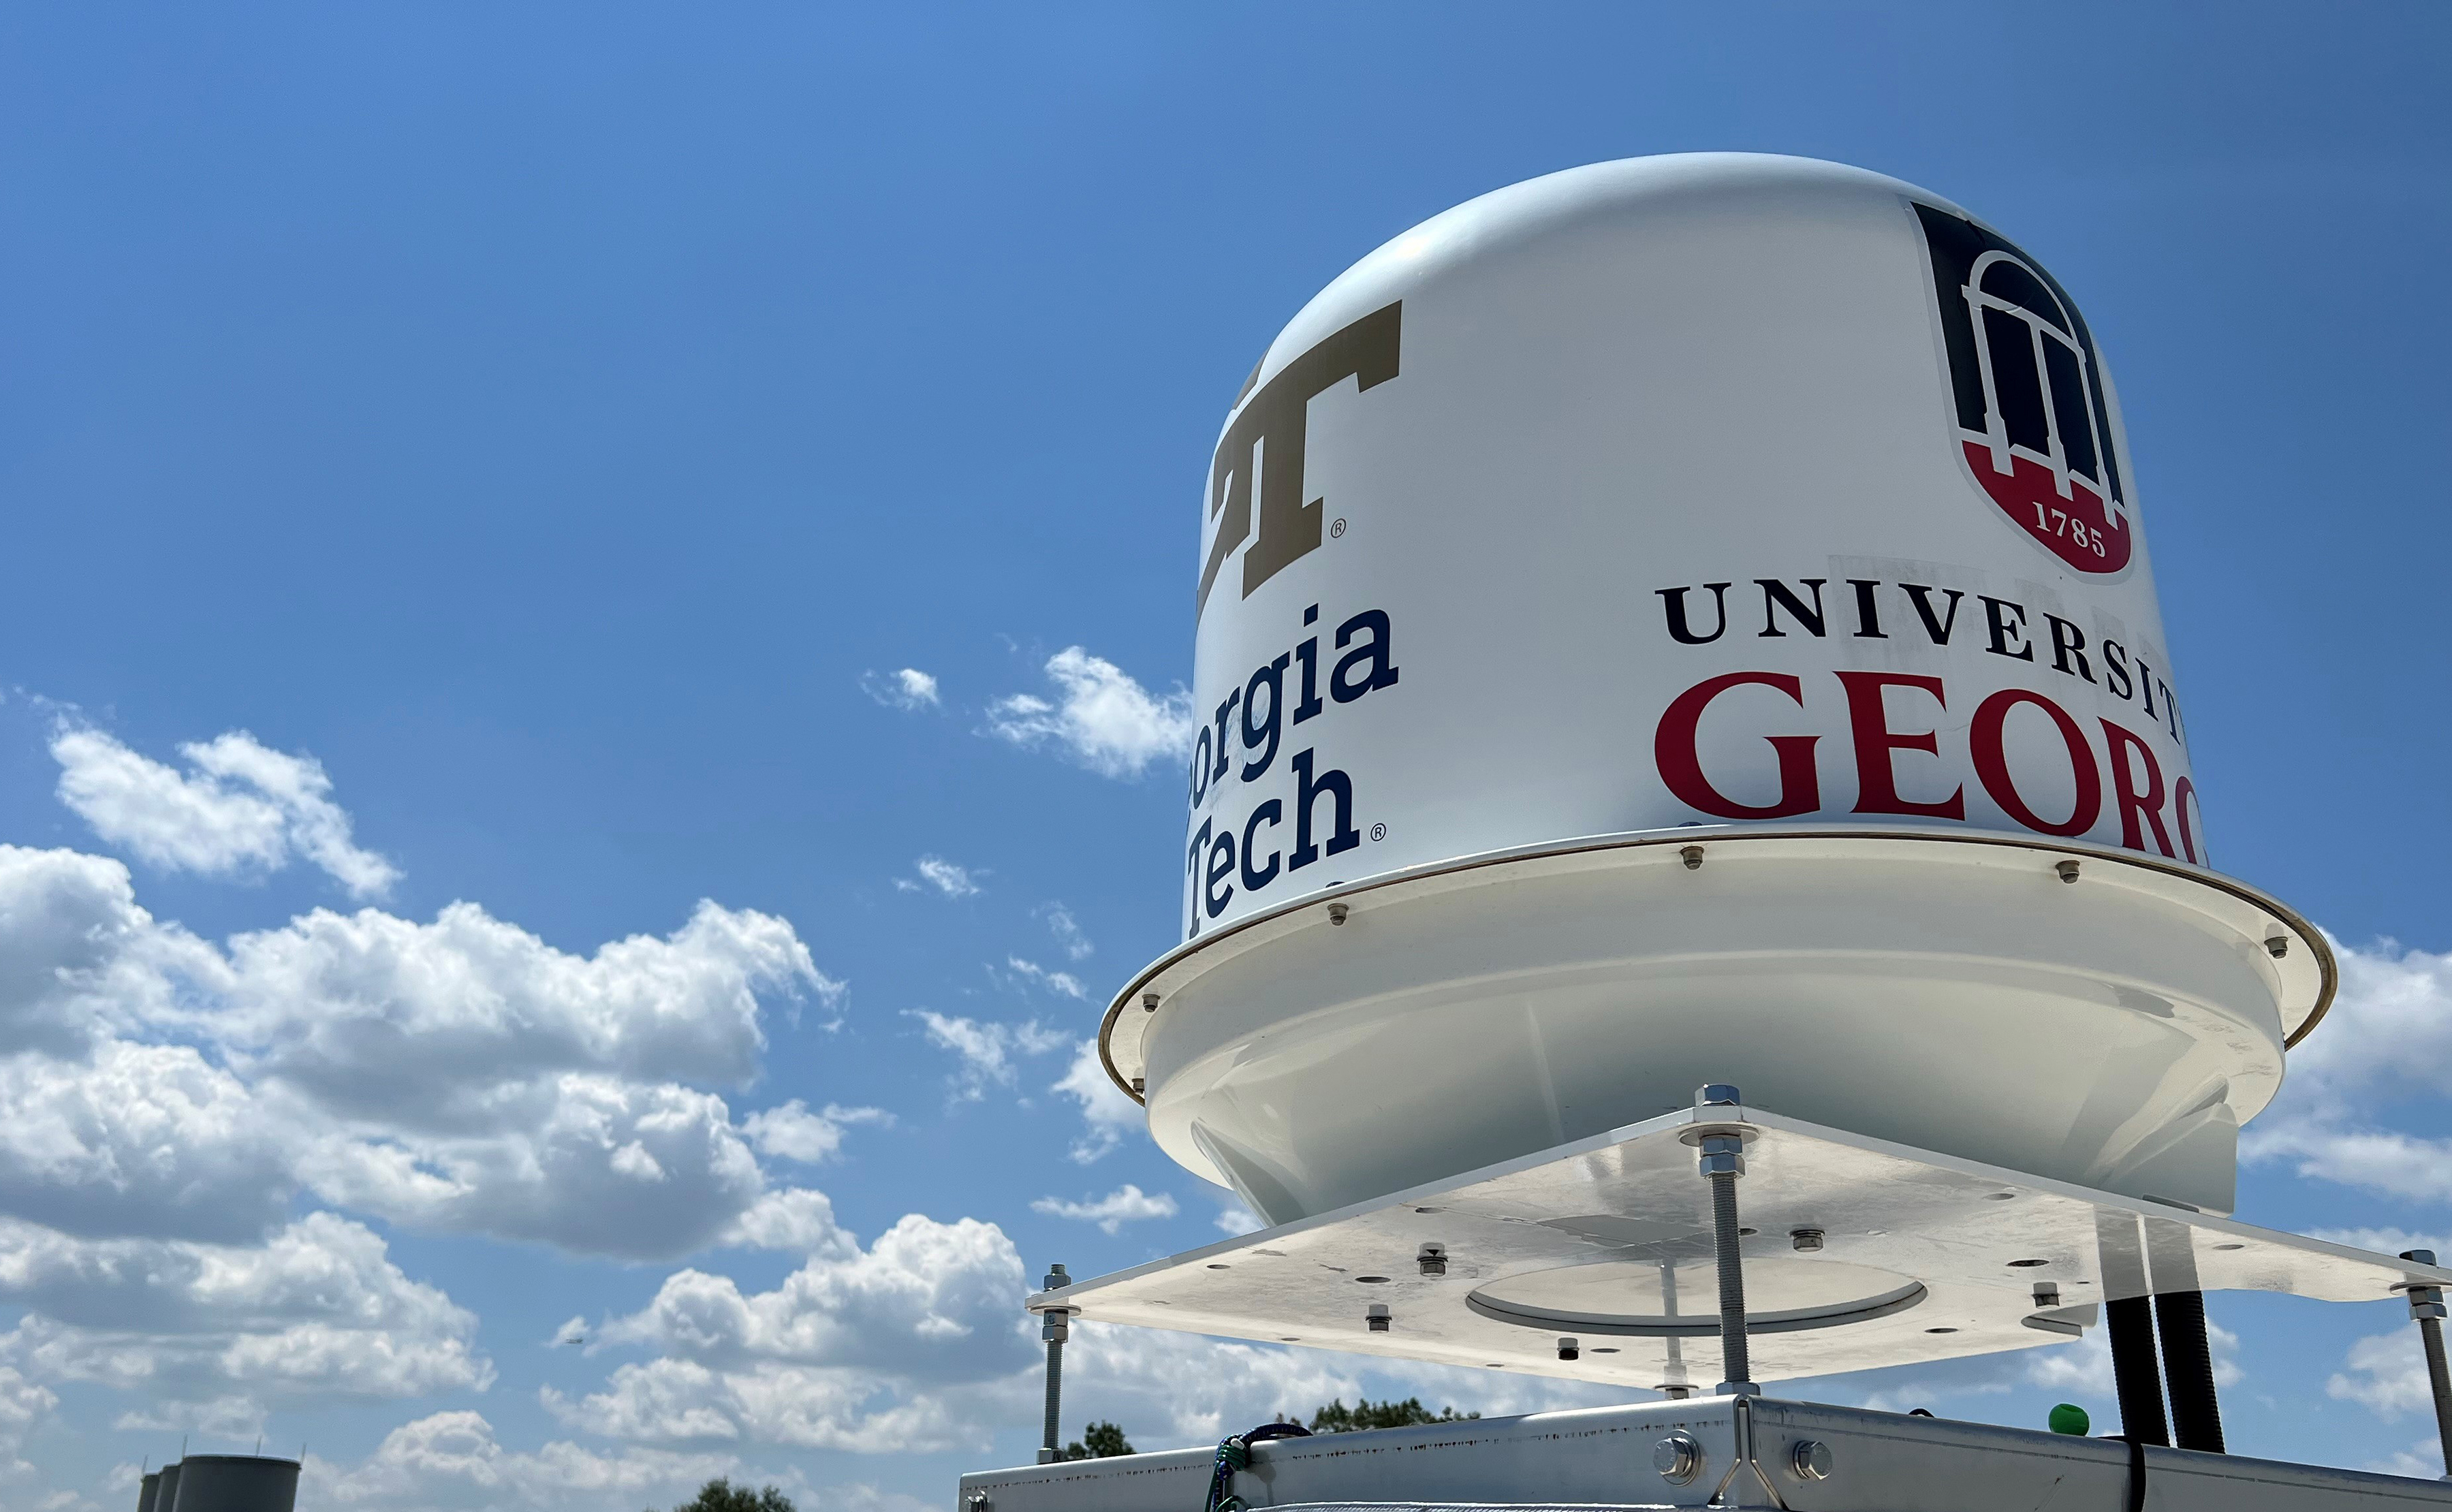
column 1378, row 1314
column 1433, row 1260
column 1336, row 913
column 1570, row 1350
column 1693, row 856
column 1140, row 1086
column 1678, row 1458
column 2067, row 870
column 1724, row 1155
column 1810, row 1460
column 1717, row 1094
column 1805, row 1240
column 2279, row 946
column 2047, row 1294
column 1149, row 1002
column 979, row 1501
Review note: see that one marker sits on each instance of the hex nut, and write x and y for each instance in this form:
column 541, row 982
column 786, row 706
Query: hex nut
column 1693, row 856
column 1810, row 1459
column 2067, row 870
column 1337, row 912
column 1678, row 1458
column 2279, row 946
column 1805, row 1240
column 1378, row 1318
column 1433, row 1260
column 1571, row 1349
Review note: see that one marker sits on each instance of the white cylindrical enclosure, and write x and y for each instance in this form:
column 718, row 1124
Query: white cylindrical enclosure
column 1752, row 502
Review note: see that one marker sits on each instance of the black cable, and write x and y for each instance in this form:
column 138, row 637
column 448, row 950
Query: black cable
column 2188, row 1364
column 2130, row 1322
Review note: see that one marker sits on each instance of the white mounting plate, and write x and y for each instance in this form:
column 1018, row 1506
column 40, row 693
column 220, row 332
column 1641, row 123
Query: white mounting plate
column 1633, row 1198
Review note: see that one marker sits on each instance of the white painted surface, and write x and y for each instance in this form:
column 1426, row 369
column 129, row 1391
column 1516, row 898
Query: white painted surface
column 1460, row 548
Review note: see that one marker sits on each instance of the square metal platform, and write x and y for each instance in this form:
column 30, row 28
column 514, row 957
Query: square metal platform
column 1922, row 1256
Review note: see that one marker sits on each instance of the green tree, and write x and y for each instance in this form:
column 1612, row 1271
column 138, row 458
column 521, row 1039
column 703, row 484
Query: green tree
column 1100, row 1441
column 721, row 1495
column 1366, row 1414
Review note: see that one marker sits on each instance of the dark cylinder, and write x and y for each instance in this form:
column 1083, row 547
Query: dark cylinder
column 166, row 1490
column 144, row 1493
column 2130, row 1322
column 235, row 1482
column 2188, row 1365
column 2439, row 1376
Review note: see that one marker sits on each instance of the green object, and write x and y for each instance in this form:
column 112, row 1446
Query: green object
column 2070, row 1419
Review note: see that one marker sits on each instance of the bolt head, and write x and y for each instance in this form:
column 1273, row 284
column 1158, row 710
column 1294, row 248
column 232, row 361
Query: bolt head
column 1678, row 1458
column 1717, row 1094
column 1337, row 912
column 1805, row 1240
column 2067, row 870
column 2425, row 1257
column 1812, row 1459
column 1693, row 856
column 2279, row 946
column 1570, row 1350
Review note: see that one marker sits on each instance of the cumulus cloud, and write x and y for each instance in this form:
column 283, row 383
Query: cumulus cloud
column 213, row 1334
column 915, row 1343
column 793, row 1132
column 1126, row 1204
column 986, row 1052
column 907, row 688
column 1099, row 716
column 2386, row 1373
column 241, row 807
column 2388, row 1036
column 453, row 1459
column 460, row 1075
column 1107, row 1115
column 947, row 878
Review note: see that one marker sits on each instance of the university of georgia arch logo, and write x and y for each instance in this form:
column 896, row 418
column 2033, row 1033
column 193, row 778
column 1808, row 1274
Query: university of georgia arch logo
column 2033, row 426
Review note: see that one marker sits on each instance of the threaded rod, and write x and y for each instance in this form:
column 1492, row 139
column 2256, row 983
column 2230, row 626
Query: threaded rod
column 1735, row 1368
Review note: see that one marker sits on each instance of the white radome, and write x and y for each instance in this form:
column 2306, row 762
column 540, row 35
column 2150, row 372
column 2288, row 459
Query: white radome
column 1686, row 620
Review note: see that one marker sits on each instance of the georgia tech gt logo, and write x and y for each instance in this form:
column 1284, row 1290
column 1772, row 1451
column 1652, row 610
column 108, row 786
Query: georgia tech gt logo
column 2033, row 428
column 1269, row 427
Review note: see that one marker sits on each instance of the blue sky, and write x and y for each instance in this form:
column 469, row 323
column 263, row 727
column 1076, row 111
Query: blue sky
column 475, row 476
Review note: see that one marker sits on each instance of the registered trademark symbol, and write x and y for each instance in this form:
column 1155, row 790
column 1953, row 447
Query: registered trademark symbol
column 1379, row 831
column 1337, row 527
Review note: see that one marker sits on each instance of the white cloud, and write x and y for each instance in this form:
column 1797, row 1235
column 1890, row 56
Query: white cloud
column 953, row 882
column 793, row 1132
column 1107, row 1114
column 907, row 688
column 915, row 1343
column 987, row 1050
column 244, row 807
column 2383, row 1241
column 1067, row 931
column 1235, row 1220
column 1030, row 973
column 460, row 1075
column 213, row 1334
column 452, row 1458
column 1102, row 718
column 2388, row 1035
column 1126, row 1204
column 2386, row 1373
